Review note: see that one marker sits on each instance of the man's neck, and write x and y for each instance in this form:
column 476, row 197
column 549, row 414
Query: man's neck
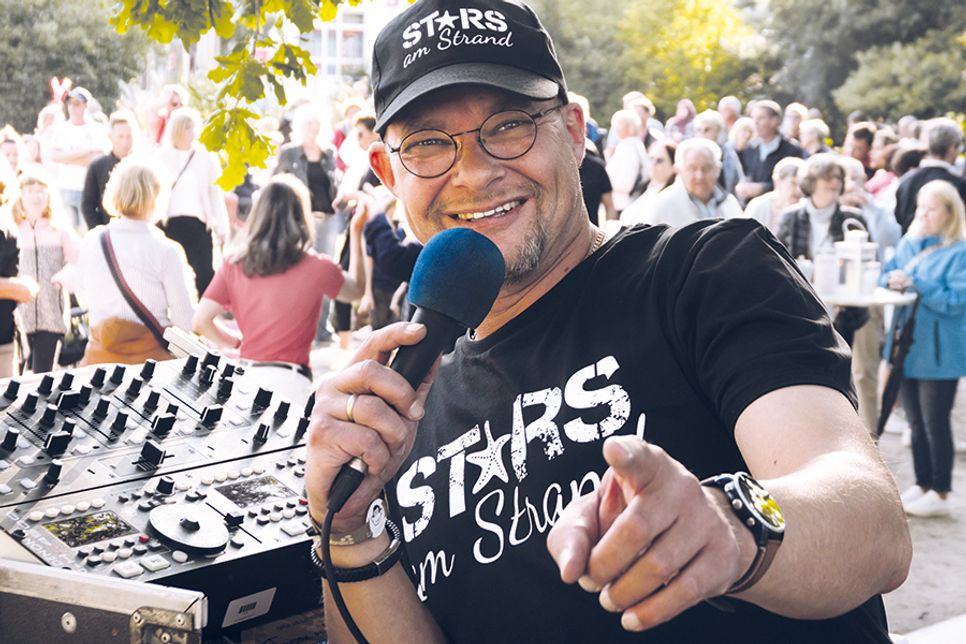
column 516, row 298
column 769, row 139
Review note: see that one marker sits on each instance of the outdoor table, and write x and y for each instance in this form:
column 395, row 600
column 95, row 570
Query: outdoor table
column 881, row 297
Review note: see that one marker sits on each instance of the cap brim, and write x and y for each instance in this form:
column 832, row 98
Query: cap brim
column 511, row 79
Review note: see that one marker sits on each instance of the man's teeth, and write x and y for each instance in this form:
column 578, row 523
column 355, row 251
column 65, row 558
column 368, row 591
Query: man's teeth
column 499, row 210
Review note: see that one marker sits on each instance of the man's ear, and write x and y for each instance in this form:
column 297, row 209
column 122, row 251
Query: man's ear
column 576, row 129
column 379, row 162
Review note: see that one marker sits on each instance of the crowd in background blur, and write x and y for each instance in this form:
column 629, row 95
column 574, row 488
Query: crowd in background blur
column 117, row 219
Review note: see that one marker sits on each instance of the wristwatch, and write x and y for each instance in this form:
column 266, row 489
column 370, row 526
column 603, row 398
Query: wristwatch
column 760, row 513
column 373, row 528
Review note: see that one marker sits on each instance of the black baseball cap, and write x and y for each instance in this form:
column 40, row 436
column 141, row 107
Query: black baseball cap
column 439, row 43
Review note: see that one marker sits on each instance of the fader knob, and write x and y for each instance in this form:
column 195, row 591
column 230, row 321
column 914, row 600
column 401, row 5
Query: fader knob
column 134, row 387
column 165, row 486
column 190, row 365
column 120, row 422
column 162, row 424
column 30, row 402
column 148, row 369
column 97, row 380
column 10, row 439
column 262, row 398
column 53, row 472
column 103, row 406
column 50, row 415
column 261, row 435
column 66, row 381
column 172, row 409
column 56, row 443
column 13, row 388
column 282, row 412
column 208, row 374
column 228, row 371
column 46, row 384
column 152, row 453
column 211, row 415
column 117, row 375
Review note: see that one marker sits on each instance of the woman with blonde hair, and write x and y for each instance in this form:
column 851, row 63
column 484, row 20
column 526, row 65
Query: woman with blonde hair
column 136, row 281
column 274, row 284
column 47, row 245
column 931, row 259
column 196, row 207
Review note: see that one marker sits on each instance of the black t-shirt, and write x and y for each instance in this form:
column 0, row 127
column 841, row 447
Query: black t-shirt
column 689, row 326
column 595, row 184
column 9, row 257
column 319, row 187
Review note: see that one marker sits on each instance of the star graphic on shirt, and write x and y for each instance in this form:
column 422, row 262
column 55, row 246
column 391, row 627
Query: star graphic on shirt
column 447, row 18
column 490, row 460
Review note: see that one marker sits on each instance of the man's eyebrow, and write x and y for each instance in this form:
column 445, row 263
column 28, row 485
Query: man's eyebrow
column 416, row 122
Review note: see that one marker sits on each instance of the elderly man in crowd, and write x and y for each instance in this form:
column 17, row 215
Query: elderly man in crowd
column 695, row 194
column 772, row 146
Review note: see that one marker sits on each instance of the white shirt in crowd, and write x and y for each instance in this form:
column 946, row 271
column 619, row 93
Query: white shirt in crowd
column 628, row 162
column 194, row 192
column 68, row 137
column 675, row 207
column 154, row 267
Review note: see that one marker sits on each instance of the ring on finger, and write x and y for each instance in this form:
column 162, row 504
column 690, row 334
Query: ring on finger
column 350, row 407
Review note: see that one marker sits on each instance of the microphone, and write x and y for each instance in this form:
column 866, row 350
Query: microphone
column 455, row 281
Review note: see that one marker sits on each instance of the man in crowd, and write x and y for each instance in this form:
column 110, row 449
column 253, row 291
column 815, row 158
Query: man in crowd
column 729, row 107
column 716, row 358
column 121, row 134
column 695, row 193
column 771, row 147
column 75, row 143
column 858, row 145
column 944, row 140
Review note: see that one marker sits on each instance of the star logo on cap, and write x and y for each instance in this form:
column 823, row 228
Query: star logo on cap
column 446, row 20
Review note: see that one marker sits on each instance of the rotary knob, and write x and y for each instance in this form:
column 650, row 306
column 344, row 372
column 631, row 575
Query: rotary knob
column 165, row 486
column 69, row 425
column 224, row 387
column 208, row 374
column 228, row 371
column 120, row 422
column 30, row 402
column 13, row 388
column 211, row 358
column 97, row 380
column 66, row 381
column 103, row 406
column 46, row 384
column 147, row 371
column 134, row 387
column 118, row 374
column 50, row 415
column 10, row 439
column 172, row 409
column 190, row 364
column 282, row 412
column 153, row 399
column 86, row 391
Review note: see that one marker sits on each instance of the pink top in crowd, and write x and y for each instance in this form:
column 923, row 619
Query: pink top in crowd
column 277, row 314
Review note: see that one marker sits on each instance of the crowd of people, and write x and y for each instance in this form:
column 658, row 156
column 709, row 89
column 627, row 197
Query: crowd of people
column 325, row 250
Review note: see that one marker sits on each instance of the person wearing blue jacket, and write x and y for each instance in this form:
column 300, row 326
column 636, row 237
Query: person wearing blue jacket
column 931, row 258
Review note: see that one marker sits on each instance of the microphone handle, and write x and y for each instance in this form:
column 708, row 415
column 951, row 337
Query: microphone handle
column 413, row 362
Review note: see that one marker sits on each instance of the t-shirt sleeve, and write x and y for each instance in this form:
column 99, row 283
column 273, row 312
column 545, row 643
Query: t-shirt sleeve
column 329, row 275
column 747, row 321
column 218, row 290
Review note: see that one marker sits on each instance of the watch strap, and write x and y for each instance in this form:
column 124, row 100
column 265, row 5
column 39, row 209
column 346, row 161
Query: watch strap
column 759, row 566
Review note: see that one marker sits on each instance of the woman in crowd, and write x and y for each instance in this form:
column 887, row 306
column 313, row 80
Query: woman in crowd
column 813, row 133
column 884, row 144
column 681, row 125
column 47, row 245
column 13, row 289
column 274, row 284
column 740, row 136
column 767, row 208
column 196, row 206
column 154, row 268
column 931, row 258
column 660, row 164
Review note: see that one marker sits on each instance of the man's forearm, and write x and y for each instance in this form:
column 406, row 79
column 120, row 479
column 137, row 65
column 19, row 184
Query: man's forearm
column 842, row 542
column 385, row 608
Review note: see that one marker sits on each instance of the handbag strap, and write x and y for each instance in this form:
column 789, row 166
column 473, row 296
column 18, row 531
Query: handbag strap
column 183, row 168
column 136, row 305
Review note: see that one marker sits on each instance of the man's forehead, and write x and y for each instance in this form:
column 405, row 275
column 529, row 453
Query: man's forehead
column 431, row 110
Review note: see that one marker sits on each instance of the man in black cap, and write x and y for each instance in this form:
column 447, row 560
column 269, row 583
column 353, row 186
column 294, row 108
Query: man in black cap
column 535, row 436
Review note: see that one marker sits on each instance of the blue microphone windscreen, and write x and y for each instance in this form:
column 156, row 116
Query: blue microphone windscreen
column 459, row 274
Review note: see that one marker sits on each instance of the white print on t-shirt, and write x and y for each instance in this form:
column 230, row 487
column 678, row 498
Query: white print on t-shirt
column 450, row 30
column 429, row 568
column 508, row 516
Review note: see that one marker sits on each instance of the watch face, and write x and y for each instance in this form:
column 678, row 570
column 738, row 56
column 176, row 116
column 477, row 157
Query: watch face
column 376, row 518
column 760, row 502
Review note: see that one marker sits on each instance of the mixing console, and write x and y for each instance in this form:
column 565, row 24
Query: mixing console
column 186, row 472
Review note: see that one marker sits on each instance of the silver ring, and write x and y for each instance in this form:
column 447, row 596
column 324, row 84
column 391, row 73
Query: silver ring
column 349, row 407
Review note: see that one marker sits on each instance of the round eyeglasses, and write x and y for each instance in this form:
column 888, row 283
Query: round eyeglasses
column 505, row 135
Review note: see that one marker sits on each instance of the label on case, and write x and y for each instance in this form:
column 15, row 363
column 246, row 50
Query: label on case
column 248, row 607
